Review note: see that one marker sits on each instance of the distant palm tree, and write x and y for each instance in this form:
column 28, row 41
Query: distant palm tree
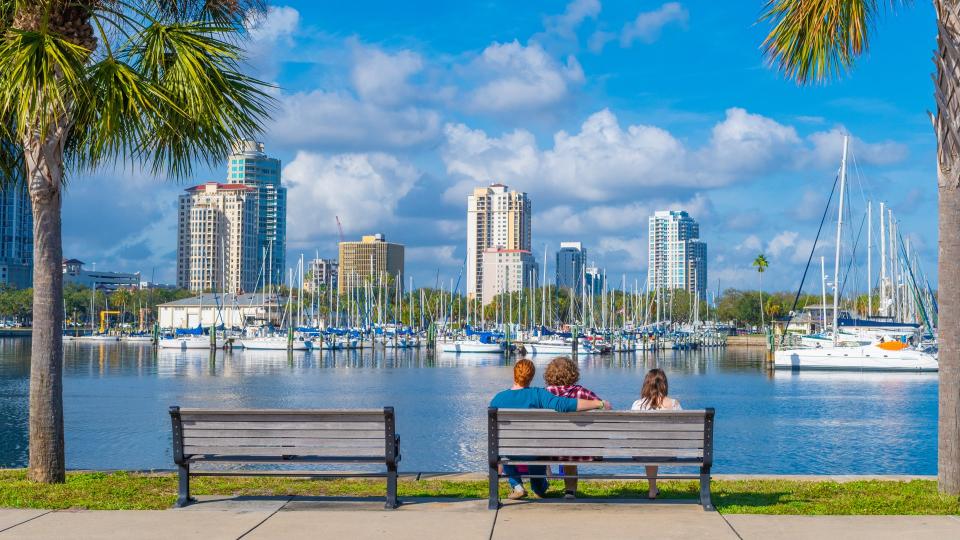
column 815, row 40
column 88, row 83
column 761, row 264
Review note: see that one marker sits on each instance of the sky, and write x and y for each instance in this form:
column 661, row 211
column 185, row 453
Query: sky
column 389, row 114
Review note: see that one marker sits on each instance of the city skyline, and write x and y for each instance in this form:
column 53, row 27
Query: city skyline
column 526, row 96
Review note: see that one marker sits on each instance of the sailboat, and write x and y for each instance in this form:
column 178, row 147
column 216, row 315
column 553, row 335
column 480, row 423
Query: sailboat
column 882, row 356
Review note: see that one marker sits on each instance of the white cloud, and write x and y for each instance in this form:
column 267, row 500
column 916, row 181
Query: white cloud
column 383, row 78
column 788, row 246
column 632, row 216
column 515, row 77
column 599, row 39
column 269, row 37
column 605, row 161
column 363, row 189
column 573, row 15
column 332, row 119
column 649, row 24
column 750, row 243
column 433, row 256
column 745, row 143
column 630, row 252
column 828, row 148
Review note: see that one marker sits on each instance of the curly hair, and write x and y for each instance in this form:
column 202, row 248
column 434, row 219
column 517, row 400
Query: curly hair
column 561, row 371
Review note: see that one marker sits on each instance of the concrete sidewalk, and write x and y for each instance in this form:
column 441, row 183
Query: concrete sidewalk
column 305, row 517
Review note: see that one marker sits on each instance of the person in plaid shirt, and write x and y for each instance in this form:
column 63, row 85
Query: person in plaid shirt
column 561, row 377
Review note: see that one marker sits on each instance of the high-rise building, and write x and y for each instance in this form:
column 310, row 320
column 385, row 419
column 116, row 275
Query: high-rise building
column 506, row 271
column 217, row 238
column 571, row 260
column 593, row 280
column 250, row 166
column 16, row 237
column 371, row 260
column 677, row 256
column 496, row 218
column 321, row 274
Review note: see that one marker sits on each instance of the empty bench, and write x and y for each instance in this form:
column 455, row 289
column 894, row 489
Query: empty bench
column 234, row 440
column 619, row 439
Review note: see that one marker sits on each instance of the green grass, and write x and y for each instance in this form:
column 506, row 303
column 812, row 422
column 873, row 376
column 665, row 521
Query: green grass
column 134, row 491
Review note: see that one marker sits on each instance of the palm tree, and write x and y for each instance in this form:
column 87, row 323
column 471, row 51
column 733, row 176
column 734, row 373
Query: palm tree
column 816, row 40
column 89, row 83
column 761, row 264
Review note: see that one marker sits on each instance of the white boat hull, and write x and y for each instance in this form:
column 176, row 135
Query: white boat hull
column 100, row 338
column 548, row 348
column 188, row 342
column 472, row 347
column 856, row 359
column 275, row 344
column 137, row 339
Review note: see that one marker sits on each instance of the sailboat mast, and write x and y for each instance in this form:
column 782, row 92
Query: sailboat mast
column 836, row 259
column 883, row 262
column 869, row 259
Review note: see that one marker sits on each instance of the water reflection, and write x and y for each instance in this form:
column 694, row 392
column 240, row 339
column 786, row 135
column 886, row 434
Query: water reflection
column 117, row 395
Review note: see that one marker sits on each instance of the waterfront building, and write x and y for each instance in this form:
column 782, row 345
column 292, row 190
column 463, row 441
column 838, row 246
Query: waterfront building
column 571, row 261
column 371, row 260
column 217, row 238
column 250, row 166
column 677, row 256
column 229, row 310
column 321, row 274
column 496, row 218
column 593, row 280
column 74, row 273
column 506, row 271
column 16, row 237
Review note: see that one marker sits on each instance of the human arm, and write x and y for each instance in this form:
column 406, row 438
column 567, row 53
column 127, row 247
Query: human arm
column 592, row 404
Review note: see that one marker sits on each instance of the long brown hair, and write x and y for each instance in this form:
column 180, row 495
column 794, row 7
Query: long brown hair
column 654, row 388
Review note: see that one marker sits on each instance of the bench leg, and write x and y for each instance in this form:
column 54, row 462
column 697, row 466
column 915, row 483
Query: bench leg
column 494, row 502
column 183, row 486
column 392, row 501
column 705, row 499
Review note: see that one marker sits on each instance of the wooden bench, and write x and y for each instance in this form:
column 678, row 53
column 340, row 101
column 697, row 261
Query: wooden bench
column 620, row 438
column 235, row 439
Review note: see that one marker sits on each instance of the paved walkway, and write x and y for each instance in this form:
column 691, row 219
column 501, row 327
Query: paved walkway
column 305, row 517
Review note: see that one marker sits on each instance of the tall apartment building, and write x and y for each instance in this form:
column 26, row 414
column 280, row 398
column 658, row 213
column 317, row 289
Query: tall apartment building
column 217, row 238
column 506, row 271
column 677, row 256
column 371, row 260
column 321, row 274
column 250, row 166
column 16, row 237
column 571, row 261
column 496, row 218
column 594, row 280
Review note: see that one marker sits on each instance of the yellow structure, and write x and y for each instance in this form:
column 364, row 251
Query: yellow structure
column 103, row 318
column 371, row 260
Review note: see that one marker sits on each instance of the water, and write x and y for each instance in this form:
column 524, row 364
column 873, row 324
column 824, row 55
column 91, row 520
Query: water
column 117, row 395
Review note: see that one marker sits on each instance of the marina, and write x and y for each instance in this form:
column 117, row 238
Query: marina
column 768, row 421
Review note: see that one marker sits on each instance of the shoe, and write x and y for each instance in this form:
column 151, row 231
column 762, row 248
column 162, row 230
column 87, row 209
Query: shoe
column 517, row 493
column 569, row 494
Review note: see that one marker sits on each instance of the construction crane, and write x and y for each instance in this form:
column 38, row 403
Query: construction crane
column 340, row 228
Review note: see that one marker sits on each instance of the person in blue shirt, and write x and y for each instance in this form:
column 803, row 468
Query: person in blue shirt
column 521, row 396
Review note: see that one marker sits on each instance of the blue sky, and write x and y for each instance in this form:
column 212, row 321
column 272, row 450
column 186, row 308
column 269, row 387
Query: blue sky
column 603, row 111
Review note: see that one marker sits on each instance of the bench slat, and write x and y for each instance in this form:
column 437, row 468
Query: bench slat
column 609, row 461
column 603, row 452
column 517, row 435
column 525, row 425
column 289, row 417
column 507, row 445
column 284, row 451
column 217, row 424
column 604, row 416
column 283, row 433
column 336, row 412
column 260, row 442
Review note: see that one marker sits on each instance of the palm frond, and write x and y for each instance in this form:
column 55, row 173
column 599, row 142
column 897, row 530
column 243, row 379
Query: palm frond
column 818, row 40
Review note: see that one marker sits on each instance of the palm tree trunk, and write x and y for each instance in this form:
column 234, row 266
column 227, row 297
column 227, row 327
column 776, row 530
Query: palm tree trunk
column 948, row 289
column 44, row 164
column 761, row 301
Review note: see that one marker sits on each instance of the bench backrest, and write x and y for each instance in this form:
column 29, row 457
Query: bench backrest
column 682, row 436
column 359, row 433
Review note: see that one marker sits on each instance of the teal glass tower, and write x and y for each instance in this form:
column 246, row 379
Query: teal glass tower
column 250, row 166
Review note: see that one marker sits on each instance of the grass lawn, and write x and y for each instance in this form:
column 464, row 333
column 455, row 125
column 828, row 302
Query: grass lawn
column 133, row 491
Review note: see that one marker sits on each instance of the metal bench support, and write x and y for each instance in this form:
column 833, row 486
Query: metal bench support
column 183, row 468
column 493, row 455
column 392, row 456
